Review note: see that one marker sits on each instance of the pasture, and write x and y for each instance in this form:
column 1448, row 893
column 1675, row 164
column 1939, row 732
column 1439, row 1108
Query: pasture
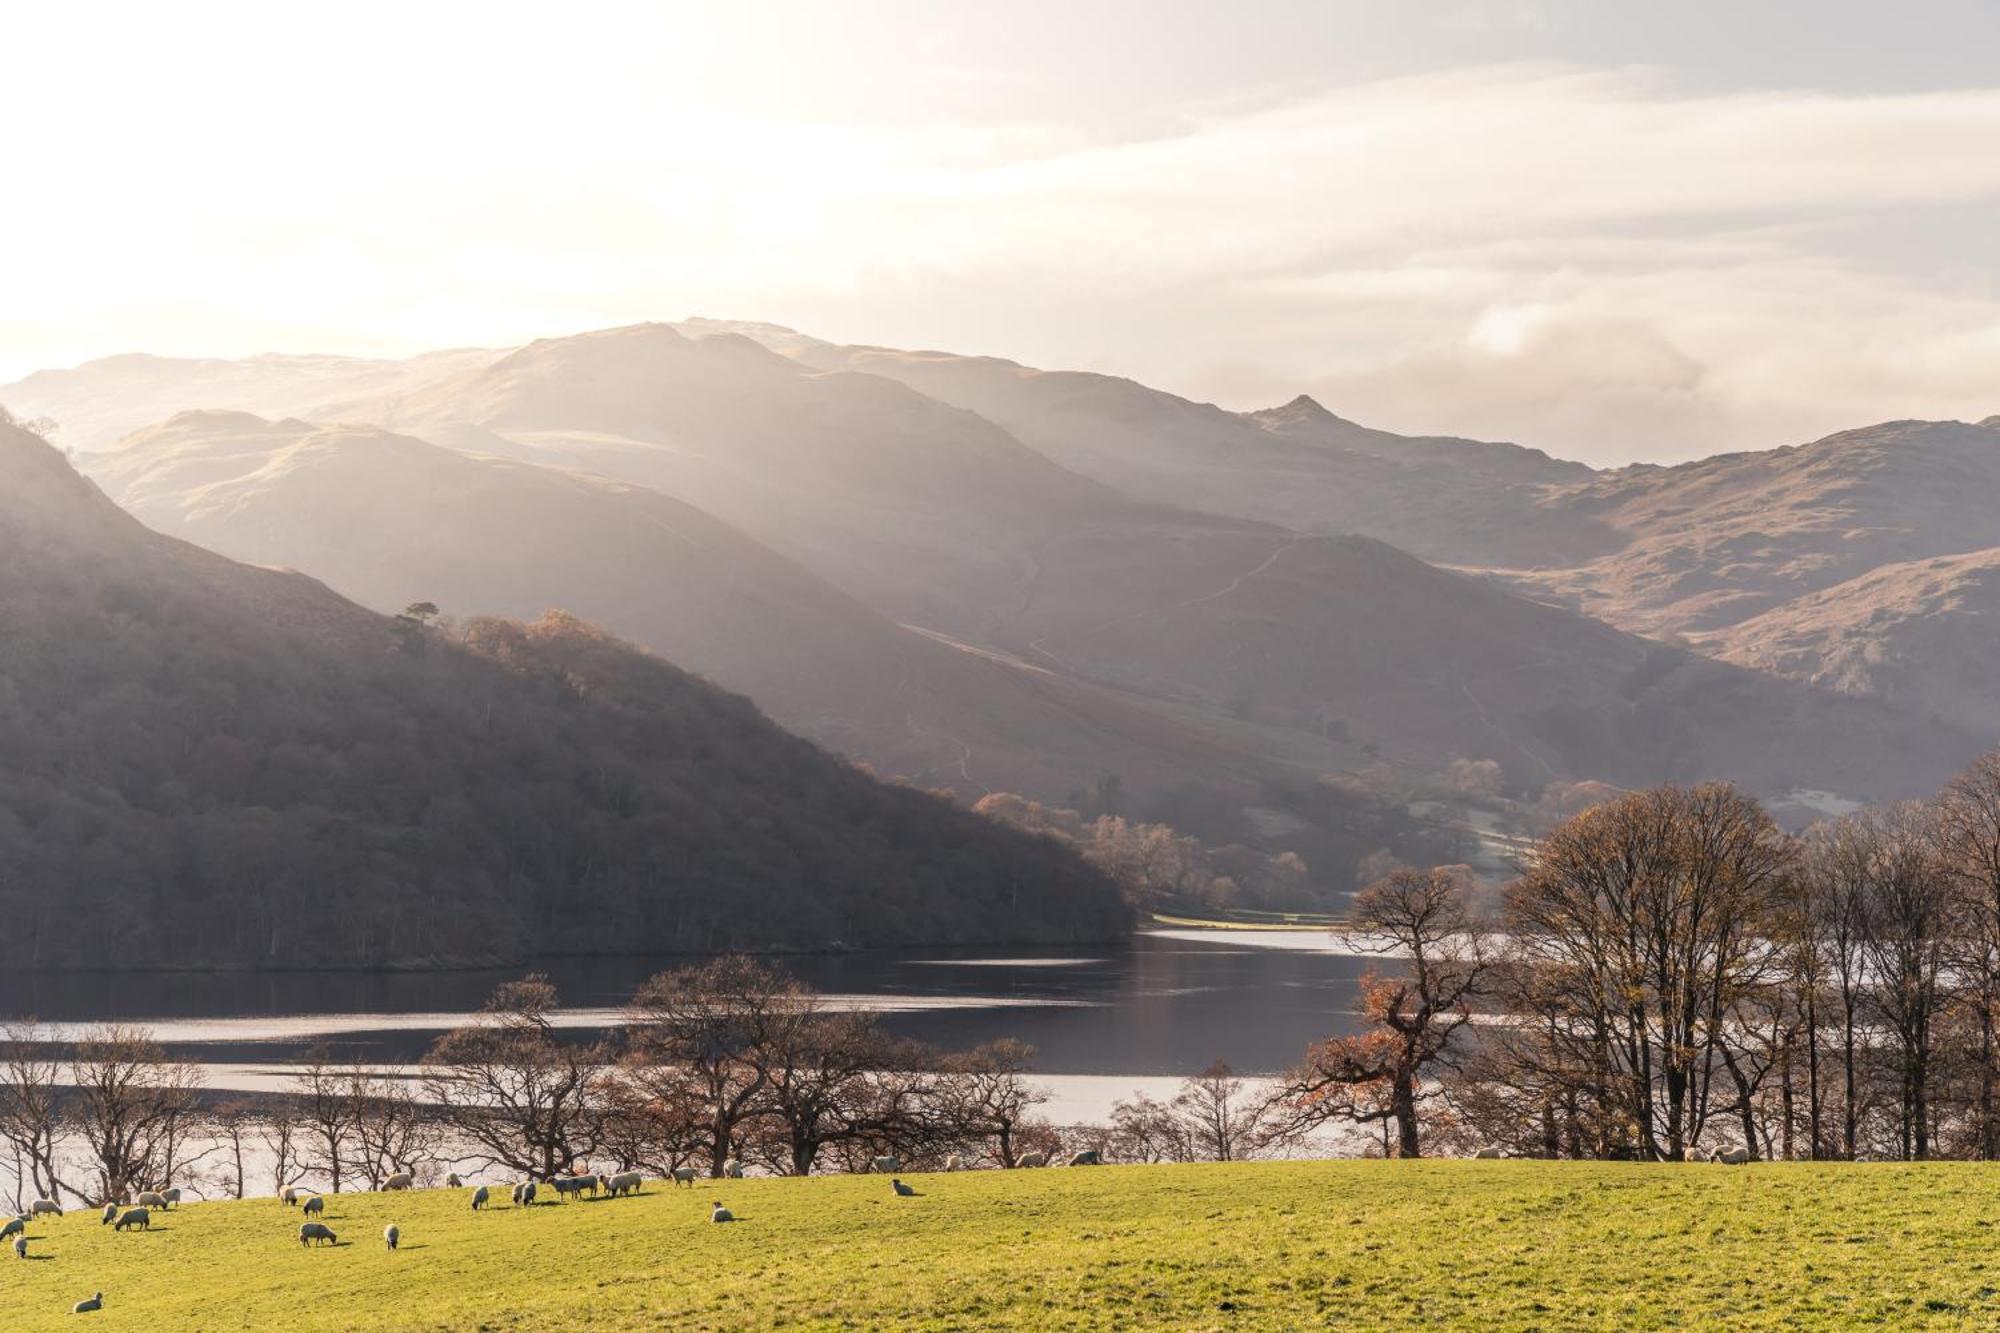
column 1485, row 1245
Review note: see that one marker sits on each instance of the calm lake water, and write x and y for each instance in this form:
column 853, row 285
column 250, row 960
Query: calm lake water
column 1165, row 1004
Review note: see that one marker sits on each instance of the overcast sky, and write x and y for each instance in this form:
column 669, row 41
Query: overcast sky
column 1614, row 230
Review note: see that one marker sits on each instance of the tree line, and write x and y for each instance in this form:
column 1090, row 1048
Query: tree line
column 1671, row 973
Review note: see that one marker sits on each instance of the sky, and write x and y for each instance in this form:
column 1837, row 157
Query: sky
column 1617, row 231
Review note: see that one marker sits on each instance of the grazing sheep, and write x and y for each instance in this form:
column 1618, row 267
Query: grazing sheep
column 291, row 1195
column 516, row 1195
column 887, row 1165
column 684, row 1175
column 479, row 1197
column 733, row 1169
column 1489, row 1154
column 96, row 1302
column 315, row 1206
column 603, row 1184
column 452, row 1182
column 16, row 1225
column 110, row 1214
column 152, row 1199
column 172, row 1196
column 528, row 1194
column 1088, row 1157
column 1697, row 1154
column 391, row 1234
column 40, row 1206
column 721, row 1214
column 565, row 1186
column 20, row 1247
column 316, row 1231
column 402, row 1180
column 634, row 1180
column 1032, row 1159
column 902, row 1191
column 1733, row 1156
column 954, row 1163
column 134, row 1217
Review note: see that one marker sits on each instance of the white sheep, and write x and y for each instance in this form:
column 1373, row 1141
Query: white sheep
column 887, row 1165
column 391, row 1234
column 902, row 1191
column 134, row 1217
column 402, row 1180
column 20, row 1247
column 1032, row 1159
column 954, row 1163
column 291, row 1195
column 152, row 1199
column 721, row 1214
column 1088, row 1157
column 1733, row 1156
column 1489, row 1154
column 41, row 1206
column 172, row 1196
column 452, row 1182
column 733, row 1169
column 96, row 1302
column 630, row 1182
column 684, row 1175
column 479, row 1197
column 316, row 1231
column 315, row 1206
column 527, row 1199
column 110, row 1214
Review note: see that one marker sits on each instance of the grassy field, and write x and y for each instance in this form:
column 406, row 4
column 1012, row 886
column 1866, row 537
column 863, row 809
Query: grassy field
column 1361, row 1245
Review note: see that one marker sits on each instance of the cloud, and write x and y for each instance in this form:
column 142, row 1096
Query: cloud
column 1584, row 259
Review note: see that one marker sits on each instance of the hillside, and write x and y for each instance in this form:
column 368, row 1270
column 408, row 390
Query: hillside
column 1298, row 466
column 388, row 519
column 1375, row 1245
column 206, row 764
column 1920, row 633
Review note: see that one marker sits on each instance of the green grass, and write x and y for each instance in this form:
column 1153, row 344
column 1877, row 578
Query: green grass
column 1362, row 1245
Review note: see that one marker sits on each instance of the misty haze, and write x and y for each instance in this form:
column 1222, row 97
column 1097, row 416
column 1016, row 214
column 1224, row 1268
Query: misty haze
column 1083, row 666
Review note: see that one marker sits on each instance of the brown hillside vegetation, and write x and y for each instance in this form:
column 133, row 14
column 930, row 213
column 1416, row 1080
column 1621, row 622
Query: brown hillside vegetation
column 205, row 764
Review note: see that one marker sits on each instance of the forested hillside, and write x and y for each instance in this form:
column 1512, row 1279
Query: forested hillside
column 206, row 764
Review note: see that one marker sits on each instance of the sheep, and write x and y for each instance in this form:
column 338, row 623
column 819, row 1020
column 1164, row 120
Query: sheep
column 315, row 1206
column 954, row 1163
column 1032, row 1159
column 733, row 1169
column 134, row 1217
column 902, row 1191
column 603, row 1184
column 1489, row 1154
column 1088, row 1157
column 391, row 1234
column 684, row 1175
column 1733, row 1156
column 516, row 1195
column 40, row 1206
column 452, row 1182
column 152, row 1199
column 630, row 1182
column 479, row 1197
column 1697, row 1154
column 109, row 1214
column 887, row 1165
column 172, row 1196
column 721, row 1214
column 527, row 1199
column 20, row 1247
column 402, row 1180
column 291, row 1195
column 565, row 1186
column 96, row 1302
column 16, row 1225
column 312, row 1231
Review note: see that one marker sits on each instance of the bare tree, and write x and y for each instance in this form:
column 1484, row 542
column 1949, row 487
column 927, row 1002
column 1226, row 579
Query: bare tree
column 326, row 1116
column 31, row 1123
column 1968, row 840
column 1907, row 937
column 133, row 1109
column 394, row 1131
column 985, row 1092
column 1417, row 1015
column 525, row 1099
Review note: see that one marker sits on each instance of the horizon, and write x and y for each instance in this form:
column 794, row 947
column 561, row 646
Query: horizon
column 1665, row 244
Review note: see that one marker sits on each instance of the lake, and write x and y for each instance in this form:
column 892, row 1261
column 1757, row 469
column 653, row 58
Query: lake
column 1163, row 1005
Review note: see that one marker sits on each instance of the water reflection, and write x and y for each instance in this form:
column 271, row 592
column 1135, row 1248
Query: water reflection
column 1166, row 1004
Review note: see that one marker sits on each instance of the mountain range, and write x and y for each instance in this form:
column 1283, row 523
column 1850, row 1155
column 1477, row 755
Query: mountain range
column 983, row 576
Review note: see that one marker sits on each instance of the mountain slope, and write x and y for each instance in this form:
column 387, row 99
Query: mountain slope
column 206, row 764
column 389, row 519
